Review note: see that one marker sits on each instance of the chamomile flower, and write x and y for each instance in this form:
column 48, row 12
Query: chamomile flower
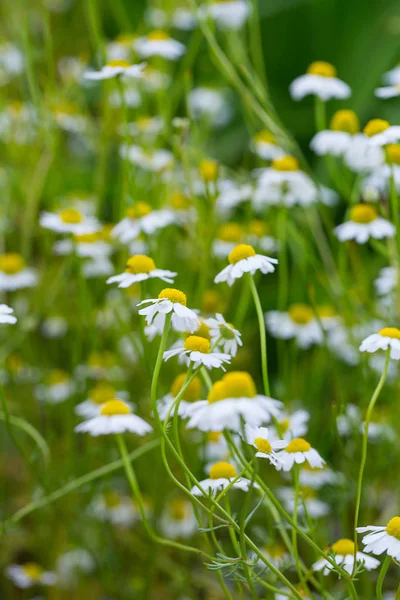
column 386, row 282
column 364, row 223
column 29, row 575
column 69, row 220
column 321, row 81
column 221, row 475
column 389, row 91
column 259, row 438
column 388, row 337
column 298, row 322
column 343, row 556
column 141, row 268
column 6, row 315
column 159, row 43
column 361, row 156
column 191, row 394
column 73, row 564
column 336, row 140
column 383, row 539
column 210, row 105
column 299, row 451
column 216, row 447
column 243, row 259
column 292, row 425
column 197, row 350
column 316, row 478
column 56, row 388
column 316, row 508
column 227, row 14
column 114, row 508
column 225, row 334
column 115, row 417
column 98, row 395
column 178, row 519
column 14, row 275
column 265, row 146
column 155, row 160
column 381, row 133
column 86, row 245
column 115, row 68
column 232, row 401
column 169, row 301
column 12, row 62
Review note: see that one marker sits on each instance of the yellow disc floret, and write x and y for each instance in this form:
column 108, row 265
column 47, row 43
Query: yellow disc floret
column 195, row 343
column 70, row 216
column 241, row 252
column 230, row 232
column 140, row 264
column 11, row 263
column 179, row 201
column 112, row 499
column 376, row 126
column 393, row 153
column 173, row 295
column 393, row 527
column 363, row 213
column 345, row 120
column 114, row 407
column 217, row 392
column 263, row 445
column 208, row 169
column 391, row 332
column 158, row 36
column 118, row 62
column 264, row 137
column 102, row 393
column 214, row 436
column 177, row 509
column 57, row 377
column 193, row 390
column 203, row 330
column 343, row 547
column 140, row 209
column 321, row 68
column 298, row 445
column 257, row 228
column 286, row 163
column 301, row 314
column 33, row 570
column 239, row 384
column 222, row 470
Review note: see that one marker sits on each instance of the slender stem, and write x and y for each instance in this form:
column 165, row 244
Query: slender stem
column 263, row 337
column 382, row 575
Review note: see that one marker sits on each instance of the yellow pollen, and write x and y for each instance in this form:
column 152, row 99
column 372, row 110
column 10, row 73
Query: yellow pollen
column 345, row 120
column 140, row 264
column 192, row 392
column 230, row 232
column 118, row 62
column 286, row 163
column 222, row 470
column 177, row 509
column 114, row 407
column 393, row 528
column 112, row 499
column 363, row 213
column 203, row 331
column 208, row 170
column 56, row 377
column 102, row 393
column 217, row 392
column 284, row 425
column 241, row 252
column 173, row 295
column 141, row 209
column 214, row 436
column 298, row 445
column 70, row 216
column 257, row 228
column 393, row 153
column 263, row 445
column 265, row 137
column 375, row 126
column 321, row 68
column 33, row 570
column 178, row 201
column 239, row 384
column 195, row 343
column 11, row 263
column 158, row 36
column 301, row 314
column 391, row 332
column 343, row 547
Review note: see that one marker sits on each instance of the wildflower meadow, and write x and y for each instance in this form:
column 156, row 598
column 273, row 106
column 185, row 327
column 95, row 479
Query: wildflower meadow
column 199, row 300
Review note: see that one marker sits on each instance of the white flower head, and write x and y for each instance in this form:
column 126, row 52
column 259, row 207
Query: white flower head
column 265, row 146
column 155, row 160
column 298, row 322
column 343, row 556
column 14, row 275
column 115, row 417
column 197, row 350
column 320, row 80
column 221, row 476
column 69, row 220
column 115, row 508
column 293, row 425
column 381, row 133
column 386, row 282
column 227, row 14
column 6, row 315
column 57, row 387
column 191, row 394
column 337, row 139
column 30, row 574
column 364, row 223
column 158, row 43
column 361, row 156
column 297, row 452
column 141, row 268
column 389, row 91
column 98, row 395
column 259, row 438
column 224, row 333
column 178, row 519
column 388, row 337
column 210, row 104
column 116, row 68
column 169, row 301
column 383, row 539
column 243, row 259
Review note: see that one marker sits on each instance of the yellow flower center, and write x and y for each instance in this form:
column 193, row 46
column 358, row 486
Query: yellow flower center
column 263, row 445
column 257, row 228
column 70, row 216
column 230, row 232
column 141, row 209
column 393, row 153
column 239, row 384
column 208, row 169
column 214, row 436
column 178, row 201
column 391, row 332
column 33, row 570
column 143, row 123
column 177, row 508
column 140, row 264
column 345, row 120
column 363, row 213
column 203, row 331
column 241, row 252
column 118, row 62
column 56, row 377
column 86, row 238
column 217, row 392
column 326, row 311
column 265, row 137
column 173, row 295
column 300, row 314
column 286, row 163
column 101, row 360
column 393, row 528
column 102, row 393
column 211, row 301
column 192, row 392
column 298, row 445
column 114, row 407
column 112, row 499
column 375, row 126
column 158, row 36
column 11, row 263
column 284, row 425
column 125, row 39
column 343, row 547
column 222, row 470
column 195, row 343
column 321, row 68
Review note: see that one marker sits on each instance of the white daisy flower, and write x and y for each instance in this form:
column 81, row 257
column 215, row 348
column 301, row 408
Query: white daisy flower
column 196, row 350
column 343, row 555
column 299, row 451
column 191, row 394
column 14, row 275
column 232, row 401
column 115, row 68
column 30, row 574
column 141, row 268
column 336, row 140
column 115, row 509
column 227, row 336
column 227, row 14
column 155, row 160
column 169, row 301
column 320, row 80
column 72, row 564
column 57, row 387
column 383, row 539
column 361, row 156
column 317, row 478
column 243, row 259
column 98, row 395
column 381, row 133
column 364, row 223
column 98, row 267
column 69, row 220
column 115, row 417
column 216, row 448
column 178, row 519
column 6, row 315
column 148, row 127
column 293, row 425
column 298, row 322
column 386, row 282
column 221, row 475
column 316, row 508
column 158, row 43
column 392, row 77
column 12, row 62
column 389, row 91
column 259, row 438
column 210, row 104
column 388, row 337
column 231, row 194
column 87, row 245
column 265, row 146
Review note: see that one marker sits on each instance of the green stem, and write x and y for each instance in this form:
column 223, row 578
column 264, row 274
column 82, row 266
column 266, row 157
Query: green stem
column 263, row 337
column 382, row 575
